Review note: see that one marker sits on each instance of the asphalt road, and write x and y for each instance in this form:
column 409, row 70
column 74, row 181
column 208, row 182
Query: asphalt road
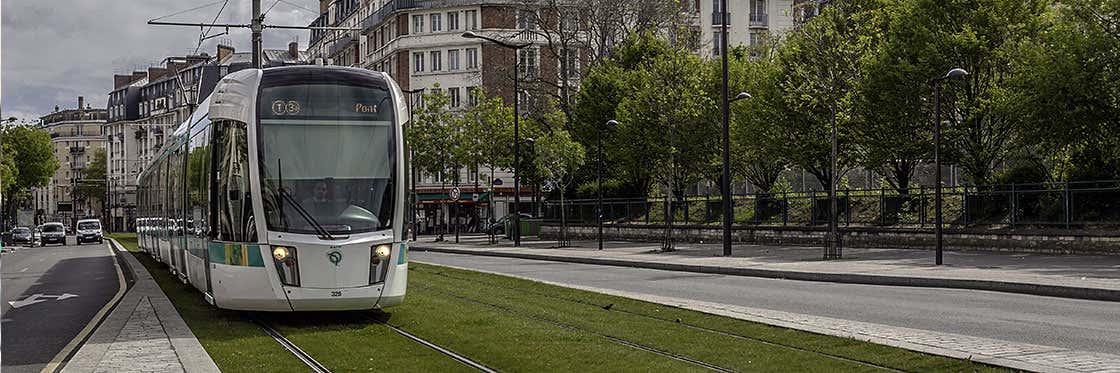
column 1075, row 324
column 35, row 332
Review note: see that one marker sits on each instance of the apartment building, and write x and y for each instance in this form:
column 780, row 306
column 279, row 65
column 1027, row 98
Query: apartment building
column 419, row 44
column 76, row 135
column 749, row 22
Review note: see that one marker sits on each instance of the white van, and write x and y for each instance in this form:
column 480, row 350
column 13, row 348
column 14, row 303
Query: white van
column 89, row 230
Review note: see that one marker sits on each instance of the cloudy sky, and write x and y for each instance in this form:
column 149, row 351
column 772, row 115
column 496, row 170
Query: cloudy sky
column 56, row 50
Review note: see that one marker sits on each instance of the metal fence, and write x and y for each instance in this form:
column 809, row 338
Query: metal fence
column 1065, row 205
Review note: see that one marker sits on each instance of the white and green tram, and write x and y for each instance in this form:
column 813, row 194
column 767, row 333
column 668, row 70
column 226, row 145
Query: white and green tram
column 285, row 191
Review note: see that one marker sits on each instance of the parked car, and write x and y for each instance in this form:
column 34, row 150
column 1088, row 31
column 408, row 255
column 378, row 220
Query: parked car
column 498, row 227
column 53, row 233
column 22, row 235
column 89, row 230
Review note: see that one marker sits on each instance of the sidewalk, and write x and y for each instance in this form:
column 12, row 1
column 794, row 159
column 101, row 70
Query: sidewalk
column 1081, row 277
column 144, row 333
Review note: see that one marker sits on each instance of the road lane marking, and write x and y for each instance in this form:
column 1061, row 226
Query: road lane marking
column 24, row 270
column 66, row 350
column 40, row 298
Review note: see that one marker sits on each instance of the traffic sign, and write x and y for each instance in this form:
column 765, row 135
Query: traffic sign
column 456, row 193
column 497, row 182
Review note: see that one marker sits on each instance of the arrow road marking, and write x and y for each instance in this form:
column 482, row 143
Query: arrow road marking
column 39, row 298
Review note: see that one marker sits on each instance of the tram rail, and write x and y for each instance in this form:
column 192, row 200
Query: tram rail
column 293, row 348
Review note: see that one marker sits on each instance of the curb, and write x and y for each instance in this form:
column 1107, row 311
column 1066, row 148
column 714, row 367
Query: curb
column 988, row 285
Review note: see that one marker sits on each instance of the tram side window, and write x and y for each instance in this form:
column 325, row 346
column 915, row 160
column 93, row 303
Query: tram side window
column 234, row 206
column 198, row 165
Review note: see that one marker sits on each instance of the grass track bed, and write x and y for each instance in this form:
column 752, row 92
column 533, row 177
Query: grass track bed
column 518, row 325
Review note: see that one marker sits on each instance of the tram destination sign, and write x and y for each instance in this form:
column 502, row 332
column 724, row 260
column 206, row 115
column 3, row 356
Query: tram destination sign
column 324, row 101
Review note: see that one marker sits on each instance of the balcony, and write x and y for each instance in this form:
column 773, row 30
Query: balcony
column 380, row 15
column 77, row 149
column 341, row 44
column 759, row 20
column 717, row 18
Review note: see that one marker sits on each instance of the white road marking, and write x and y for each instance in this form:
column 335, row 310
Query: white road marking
column 24, row 270
column 40, row 298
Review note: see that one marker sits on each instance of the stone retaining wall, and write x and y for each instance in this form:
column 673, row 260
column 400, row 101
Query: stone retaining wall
column 1051, row 242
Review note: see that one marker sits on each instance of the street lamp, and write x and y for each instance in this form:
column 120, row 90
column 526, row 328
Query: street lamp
column 412, row 168
column 516, row 129
column 599, row 138
column 954, row 73
column 728, row 210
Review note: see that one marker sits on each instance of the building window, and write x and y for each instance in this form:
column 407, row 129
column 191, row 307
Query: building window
column 526, row 19
column 571, row 22
column 418, row 62
column 471, row 99
column 471, row 18
column 417, row 24
column 472, row 58
column 571, row 59
column 527, row 61
column 436, row 24
column 437, row 60
column 454, row 93
column 453, row 60
column 716, row 43
column 452, row 20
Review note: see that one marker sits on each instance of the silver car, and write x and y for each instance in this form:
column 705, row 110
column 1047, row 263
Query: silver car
column 53, row 233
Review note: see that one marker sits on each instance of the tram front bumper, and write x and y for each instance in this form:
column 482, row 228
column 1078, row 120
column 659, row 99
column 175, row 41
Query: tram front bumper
column 343, row 299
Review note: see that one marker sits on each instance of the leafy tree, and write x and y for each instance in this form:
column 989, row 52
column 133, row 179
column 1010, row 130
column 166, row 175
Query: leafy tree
column 820, row 62
column 490, row 125
column 92, row 184
column 558, row 158
column 1065, row 89
column 32, row 155
column 755, row 123
column 980, row 36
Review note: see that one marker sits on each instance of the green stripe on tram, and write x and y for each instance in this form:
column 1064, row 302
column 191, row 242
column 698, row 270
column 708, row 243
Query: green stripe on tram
column 236, row 254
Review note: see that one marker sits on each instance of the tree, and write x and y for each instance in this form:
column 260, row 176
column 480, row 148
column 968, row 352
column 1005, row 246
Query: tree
column 32, row 155
column 1065, row 88
column 433, row 136
column 629, row 148
column 558, row 158
column 820, row 62
column 91, row 186
column 980, row 36
column 669, row 113
column 755, row 126
column 490, row 123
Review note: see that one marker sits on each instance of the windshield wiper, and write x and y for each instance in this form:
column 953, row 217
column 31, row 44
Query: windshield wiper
column 322, row 232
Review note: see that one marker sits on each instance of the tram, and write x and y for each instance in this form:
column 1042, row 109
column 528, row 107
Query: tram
column 284, row 191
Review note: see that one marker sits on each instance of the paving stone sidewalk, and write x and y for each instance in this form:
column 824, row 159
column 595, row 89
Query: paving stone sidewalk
column 1073, row 276
column 143, row 334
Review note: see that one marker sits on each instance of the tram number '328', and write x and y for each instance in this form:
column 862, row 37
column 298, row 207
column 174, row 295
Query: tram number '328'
column 284, row 191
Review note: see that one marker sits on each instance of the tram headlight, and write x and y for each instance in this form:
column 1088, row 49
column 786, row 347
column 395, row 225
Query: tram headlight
column 287, row 265
column 281, row 253
column 383, row 251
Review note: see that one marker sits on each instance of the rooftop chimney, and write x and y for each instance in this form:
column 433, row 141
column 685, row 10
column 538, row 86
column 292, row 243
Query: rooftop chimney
column 223, row 51
column 138, row 75
column 154, row 73
column 81, row 103
column 293, row 49
column 121, row 80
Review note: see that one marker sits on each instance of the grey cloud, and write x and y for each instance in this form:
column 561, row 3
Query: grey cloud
column 55, row 50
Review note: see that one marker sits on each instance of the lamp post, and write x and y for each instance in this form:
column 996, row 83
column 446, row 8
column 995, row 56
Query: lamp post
column 599, row 188
column 728, row 209
column 954, row 73
column 412, row 168
column 516, row 129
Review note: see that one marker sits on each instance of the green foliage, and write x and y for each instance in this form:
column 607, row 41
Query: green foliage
column 33, row 156
column 1065, row 90
column 435, row 136
column 92, row 185
column 755, row 123
column 820, row 63
column 668, row 118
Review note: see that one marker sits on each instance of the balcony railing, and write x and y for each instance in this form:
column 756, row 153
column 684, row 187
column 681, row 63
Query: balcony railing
column 341, row 44
column 77, row 149
column 717, row 18
column 760, row 20
column 378, row 16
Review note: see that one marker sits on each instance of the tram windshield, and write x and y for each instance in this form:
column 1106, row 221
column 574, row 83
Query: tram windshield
column 330, row 149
